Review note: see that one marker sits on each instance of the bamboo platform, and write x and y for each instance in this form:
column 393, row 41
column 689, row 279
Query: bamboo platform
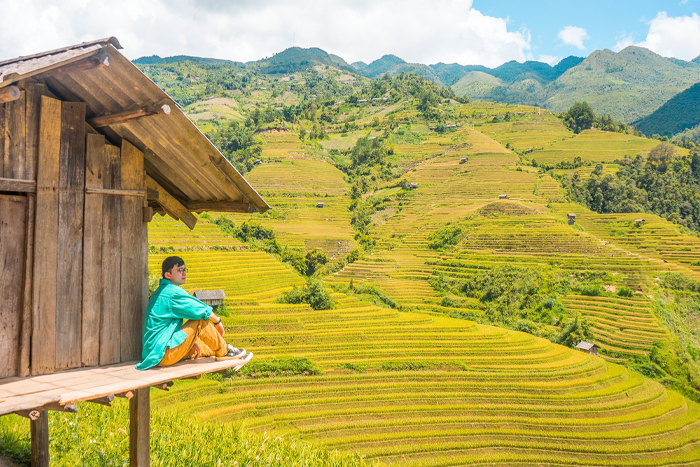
column 85, row 384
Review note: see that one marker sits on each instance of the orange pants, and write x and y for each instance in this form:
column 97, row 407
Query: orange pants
column 200, row 332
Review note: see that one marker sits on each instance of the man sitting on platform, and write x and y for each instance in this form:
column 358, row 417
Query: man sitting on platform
column 166, row 340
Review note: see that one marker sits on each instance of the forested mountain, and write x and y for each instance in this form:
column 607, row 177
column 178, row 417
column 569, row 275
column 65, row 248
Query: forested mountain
column 634, row 85
column 628, row 85
column 678, row 114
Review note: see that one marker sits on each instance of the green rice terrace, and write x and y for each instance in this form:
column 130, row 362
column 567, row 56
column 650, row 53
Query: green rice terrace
column 454, row 289
column 406, row 368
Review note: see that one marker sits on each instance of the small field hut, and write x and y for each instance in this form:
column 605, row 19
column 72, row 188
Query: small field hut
column 587, row 347
column 502, row 196
column 571, row 217
column 213, row 298
column 319, row 204
column 89, row 149
column 639, row 222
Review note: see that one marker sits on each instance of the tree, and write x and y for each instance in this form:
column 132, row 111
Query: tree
column 579, row 117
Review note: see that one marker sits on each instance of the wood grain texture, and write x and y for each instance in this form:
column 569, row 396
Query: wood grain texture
column 25, row 334
column 13, row 184
column 12, row 242
column 15, row 147
column 110, row 326
column 69, row 288
column 34, row 92
column 3, row 130
column 139, row 428
column 95, row 177
column 46, row 240
column 39, row 431
column 132, row 263
column 171, row 205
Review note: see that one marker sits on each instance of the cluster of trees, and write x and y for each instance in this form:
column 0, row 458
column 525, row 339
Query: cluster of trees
column 238, row 143
column 663, row 183
column 581, row 117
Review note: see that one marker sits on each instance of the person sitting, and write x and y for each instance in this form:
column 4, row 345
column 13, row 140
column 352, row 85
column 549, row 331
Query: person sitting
column 166, row 340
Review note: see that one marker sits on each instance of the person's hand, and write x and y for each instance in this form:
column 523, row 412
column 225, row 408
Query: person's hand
column 195, row 351
column 220, row 327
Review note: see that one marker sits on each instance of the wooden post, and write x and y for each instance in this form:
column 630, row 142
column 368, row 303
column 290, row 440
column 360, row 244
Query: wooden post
column 39, row 430
column 139, row 428
column 43, row 351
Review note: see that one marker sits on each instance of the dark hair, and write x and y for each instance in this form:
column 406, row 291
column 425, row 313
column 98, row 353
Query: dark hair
column 170, row 262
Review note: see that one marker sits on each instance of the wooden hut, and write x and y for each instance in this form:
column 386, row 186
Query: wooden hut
column 89, row 149
column 502, row 196
column 587, row 347
column 639, row 222
column 464, row 160
column 319, row 204
column 213, row 298
column 571, row 217
column 414, row 186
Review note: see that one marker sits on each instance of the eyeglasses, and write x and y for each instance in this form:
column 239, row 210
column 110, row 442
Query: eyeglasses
column 182, row 270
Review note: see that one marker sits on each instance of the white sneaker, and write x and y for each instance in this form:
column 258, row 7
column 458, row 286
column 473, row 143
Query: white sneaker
column 232, row 353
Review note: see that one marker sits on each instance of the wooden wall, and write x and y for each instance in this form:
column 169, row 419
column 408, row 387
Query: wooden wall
column 73, row 250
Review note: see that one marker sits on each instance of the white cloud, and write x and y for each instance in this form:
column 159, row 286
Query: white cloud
column 573, row 35
column 677, row 36
column 550, row 59
column 623, row 41
column 448, row 31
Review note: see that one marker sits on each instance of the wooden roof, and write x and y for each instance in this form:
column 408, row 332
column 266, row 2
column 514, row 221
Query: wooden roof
column 583, row 345
column 177, row 155
column 210, row 294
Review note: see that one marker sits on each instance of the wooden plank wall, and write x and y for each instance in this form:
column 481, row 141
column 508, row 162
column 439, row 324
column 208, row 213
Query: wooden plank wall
column 71, row 201
column 74, row 264
column 12, row 233
column 110, row 326
column 133, row 177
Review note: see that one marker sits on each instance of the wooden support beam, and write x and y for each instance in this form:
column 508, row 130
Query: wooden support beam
column 110, row 191
column 139, row 428
column 170, row 205
column 164, row 386
column 9, row 94
column 128, row 115
column 125, row 395
column 96, row 61
column 55, row 406
column 107, row 400
column 147, row 214
column 17, row 185
column 39, row 430
column 221, row 206
column 30, row 414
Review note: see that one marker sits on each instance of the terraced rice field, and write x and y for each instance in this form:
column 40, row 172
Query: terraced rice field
column 163, row 232
column 420, row 389
column 245, row 276
column 654, row 238
column 416, row 388
column 623, row 326
column 594, row 146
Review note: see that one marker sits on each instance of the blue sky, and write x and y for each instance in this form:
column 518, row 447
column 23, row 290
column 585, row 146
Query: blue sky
column 485, row 32
column 607, row 23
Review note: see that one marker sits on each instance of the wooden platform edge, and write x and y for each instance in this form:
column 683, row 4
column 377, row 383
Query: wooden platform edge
column 61, row 392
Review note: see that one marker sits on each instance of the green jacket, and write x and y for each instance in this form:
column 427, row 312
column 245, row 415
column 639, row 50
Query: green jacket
column 168, row 307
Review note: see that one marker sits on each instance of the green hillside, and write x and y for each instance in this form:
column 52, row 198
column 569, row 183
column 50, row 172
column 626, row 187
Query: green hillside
column 629, row 85
column 678, row 114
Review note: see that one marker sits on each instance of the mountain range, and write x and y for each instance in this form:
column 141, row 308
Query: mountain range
column 635, row 85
